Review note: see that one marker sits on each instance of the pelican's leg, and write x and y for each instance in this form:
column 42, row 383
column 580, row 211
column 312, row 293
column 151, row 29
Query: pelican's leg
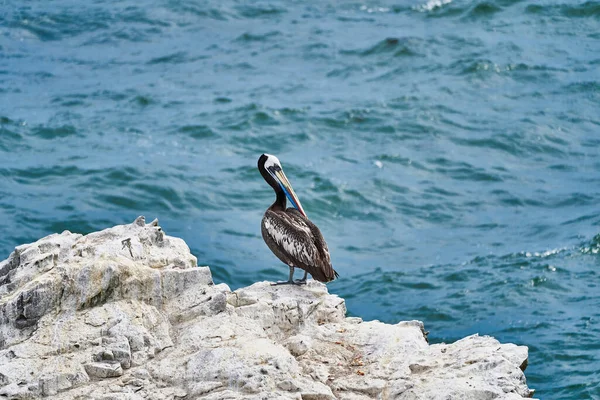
column 303, row 280
column 289, row 281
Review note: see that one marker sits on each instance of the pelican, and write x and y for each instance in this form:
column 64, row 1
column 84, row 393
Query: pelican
column 289, row 234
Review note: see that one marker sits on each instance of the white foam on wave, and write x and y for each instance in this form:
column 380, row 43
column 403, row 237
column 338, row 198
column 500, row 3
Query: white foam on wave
column 432, row 4
column 371, row 10
column 544, row 253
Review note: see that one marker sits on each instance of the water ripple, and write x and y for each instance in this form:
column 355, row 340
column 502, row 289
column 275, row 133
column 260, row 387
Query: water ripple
column 452, row 164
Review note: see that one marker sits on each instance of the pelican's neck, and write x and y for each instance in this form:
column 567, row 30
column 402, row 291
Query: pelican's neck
column 280, row 201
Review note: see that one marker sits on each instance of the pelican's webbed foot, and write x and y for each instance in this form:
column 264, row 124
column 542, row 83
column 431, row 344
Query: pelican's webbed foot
column 296, row 282
column 303, row 280
column 291, row 281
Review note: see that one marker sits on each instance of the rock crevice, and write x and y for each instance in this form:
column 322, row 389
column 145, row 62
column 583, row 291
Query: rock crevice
column 126, row 313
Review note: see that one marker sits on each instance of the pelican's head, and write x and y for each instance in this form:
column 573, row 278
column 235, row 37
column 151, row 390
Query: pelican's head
column 272, row 166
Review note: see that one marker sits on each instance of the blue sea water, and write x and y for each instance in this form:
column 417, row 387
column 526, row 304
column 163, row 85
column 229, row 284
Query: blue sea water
column 449, row 150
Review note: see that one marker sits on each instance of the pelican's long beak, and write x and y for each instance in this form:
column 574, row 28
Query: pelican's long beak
column 287, row 188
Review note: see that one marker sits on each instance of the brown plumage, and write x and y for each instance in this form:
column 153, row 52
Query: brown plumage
column 290, row 235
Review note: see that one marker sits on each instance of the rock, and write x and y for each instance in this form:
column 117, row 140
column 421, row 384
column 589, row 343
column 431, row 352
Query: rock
column 298, row 345
column 126, row 313
column 103, row 369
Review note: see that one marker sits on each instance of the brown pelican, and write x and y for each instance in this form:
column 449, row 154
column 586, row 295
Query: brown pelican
column 290, row 235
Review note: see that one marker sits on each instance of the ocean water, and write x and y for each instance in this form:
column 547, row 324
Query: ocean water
column 449, row 150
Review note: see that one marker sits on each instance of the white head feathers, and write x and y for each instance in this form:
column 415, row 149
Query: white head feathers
column 271, row 161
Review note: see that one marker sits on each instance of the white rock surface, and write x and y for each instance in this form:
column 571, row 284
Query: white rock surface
column 126, row 313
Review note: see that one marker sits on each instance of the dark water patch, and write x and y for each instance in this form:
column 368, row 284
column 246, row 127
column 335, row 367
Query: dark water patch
column 389, row 186
column 43, row 75
column 474, row 47
column 347, row 159
column 463, row 171
column 143, row 101
column 127, row 34
column 139, row 197
column 428, row 212
column 364, row 119
column 242, row 66
column 120, row 201
column 10, row 138
column 239, row 201
column 316, row 47
column 122, row 175
column 396, row 73
column 584, row 10
column 324, row 185
column 220, row 274
column 198, row 10
column 49, row 133
column 419, row 285
column 32, row 175
column 7, row 135
column 483, row 9
column 239, row 124
column 48, row 26
column 222, row 100
column 197, row 131
column 470, row 174
column 72, row 103
column 236, row 119
column 264, row 118
column 556, row 139
column 137, row 15
column 398, row 47
column 526, row 328
column 239, row 234
column 246, row 173
column 110, row 95
column 71, row 100
column 203, row 201
column 581, row 218
column 442, row 192
column 77, row 223
column 575, row 199
column 347, row 18
column 499, row 142
column 589, row 87
column 530, row 74
column 516, row 143
column 508, row 3
column 254, row 37
column 456, row 124
column 174, row 58
column 384, row 129
column 259, row 11
column 172, row 104
column 463, row 275
column 346, row 72
column 433, row 314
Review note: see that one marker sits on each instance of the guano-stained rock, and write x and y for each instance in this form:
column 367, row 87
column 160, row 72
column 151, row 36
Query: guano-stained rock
column 126, row 313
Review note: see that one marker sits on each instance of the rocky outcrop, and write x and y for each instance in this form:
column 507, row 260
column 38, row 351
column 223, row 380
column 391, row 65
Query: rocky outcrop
column 126, row 313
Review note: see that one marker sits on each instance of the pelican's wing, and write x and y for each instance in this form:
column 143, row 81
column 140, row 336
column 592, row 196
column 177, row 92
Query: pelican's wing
column 301, row 242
